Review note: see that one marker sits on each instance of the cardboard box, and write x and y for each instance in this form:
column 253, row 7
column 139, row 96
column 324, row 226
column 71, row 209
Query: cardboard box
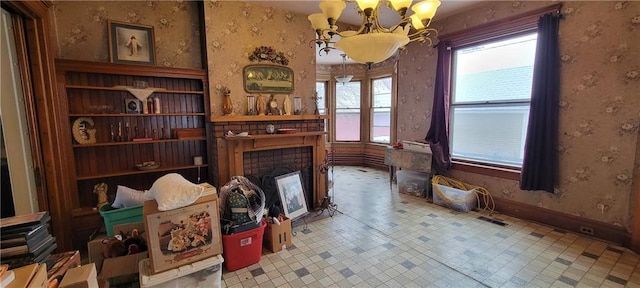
column 30, row 276
column 182, row 236
column 204, row 273
column 84, row 276
column 277, row 236
column 116, row 266
column 40, row 279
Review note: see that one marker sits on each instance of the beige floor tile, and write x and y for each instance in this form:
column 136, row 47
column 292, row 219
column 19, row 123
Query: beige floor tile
column 432, row 247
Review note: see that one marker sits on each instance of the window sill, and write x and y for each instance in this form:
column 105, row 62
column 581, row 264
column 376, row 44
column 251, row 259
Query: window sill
column 500, row 172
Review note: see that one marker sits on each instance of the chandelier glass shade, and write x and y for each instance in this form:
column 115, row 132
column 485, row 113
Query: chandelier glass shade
column 373, row 43
column 344, row 78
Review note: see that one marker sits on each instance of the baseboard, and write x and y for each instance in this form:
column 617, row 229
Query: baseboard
column 607, row 232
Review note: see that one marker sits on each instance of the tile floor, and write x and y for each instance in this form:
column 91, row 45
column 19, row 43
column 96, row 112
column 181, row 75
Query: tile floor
column 387, row 239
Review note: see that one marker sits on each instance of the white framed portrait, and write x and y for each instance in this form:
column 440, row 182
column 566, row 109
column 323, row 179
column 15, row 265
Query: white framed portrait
column 292, row 194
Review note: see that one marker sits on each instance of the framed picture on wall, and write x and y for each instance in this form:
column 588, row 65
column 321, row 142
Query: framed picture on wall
column 264, row 78
column 291, row 194
column 131, row 43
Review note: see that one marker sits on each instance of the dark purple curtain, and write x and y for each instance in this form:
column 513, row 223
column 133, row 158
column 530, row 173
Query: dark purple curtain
column 438, row 135
column 540, row 165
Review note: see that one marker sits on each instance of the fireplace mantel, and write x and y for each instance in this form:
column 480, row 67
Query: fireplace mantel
column 271, row 118
column 275, row 141
column 231, row 151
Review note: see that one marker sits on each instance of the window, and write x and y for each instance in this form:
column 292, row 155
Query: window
column 321, row 93
column 491, row 94
column 381, row 110
column 321, row 89
column 348, row 103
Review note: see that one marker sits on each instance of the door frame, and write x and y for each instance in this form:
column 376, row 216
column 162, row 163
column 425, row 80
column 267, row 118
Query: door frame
column 36, row 61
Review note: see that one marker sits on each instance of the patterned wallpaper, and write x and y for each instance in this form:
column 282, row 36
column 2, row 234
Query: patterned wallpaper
column 600, row 105
column 234, row 29
column 82, row 32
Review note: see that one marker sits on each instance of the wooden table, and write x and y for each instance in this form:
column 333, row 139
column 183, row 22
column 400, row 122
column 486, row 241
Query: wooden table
column 406, row 159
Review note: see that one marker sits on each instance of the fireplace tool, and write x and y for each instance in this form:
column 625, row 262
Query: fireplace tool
column 327, row 202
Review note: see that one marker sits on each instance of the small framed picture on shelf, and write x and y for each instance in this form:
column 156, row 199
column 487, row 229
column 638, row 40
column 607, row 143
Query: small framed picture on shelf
column 291, row 193
column 131, row 43
column 132, row 106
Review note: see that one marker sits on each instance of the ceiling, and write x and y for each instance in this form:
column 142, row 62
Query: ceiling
column 388, row 18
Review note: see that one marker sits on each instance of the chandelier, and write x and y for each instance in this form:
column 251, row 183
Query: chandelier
column 344, row 78
column 373, row 43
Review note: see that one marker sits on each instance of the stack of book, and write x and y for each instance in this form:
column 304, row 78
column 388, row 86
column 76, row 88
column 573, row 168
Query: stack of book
column 25, row 239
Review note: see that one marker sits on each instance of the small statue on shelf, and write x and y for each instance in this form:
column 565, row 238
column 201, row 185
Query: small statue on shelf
column 100, row 189
column 315, row 98
column 287, row 105
column 262, row 105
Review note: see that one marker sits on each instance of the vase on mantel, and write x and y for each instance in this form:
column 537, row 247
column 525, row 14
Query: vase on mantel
column 227, row 105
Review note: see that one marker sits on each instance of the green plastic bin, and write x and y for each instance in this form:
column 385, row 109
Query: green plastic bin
column 114, row 216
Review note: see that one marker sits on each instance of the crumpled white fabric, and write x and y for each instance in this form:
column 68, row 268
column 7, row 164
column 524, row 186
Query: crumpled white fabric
column 172, row 191
column 128, row 197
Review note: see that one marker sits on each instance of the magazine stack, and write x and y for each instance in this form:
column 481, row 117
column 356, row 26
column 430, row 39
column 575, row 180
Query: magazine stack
column 26, row 239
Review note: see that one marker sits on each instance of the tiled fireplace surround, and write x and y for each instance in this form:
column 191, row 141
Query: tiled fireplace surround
column 260, row 153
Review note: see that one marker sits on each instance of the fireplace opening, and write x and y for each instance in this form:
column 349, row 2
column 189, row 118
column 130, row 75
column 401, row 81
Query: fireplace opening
column 262, row 167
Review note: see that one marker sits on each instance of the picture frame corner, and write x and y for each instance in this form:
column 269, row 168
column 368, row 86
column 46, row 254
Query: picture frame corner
column 301, row 208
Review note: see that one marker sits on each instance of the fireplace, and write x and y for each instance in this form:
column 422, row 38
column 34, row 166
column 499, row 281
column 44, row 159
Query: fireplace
column 260, row 153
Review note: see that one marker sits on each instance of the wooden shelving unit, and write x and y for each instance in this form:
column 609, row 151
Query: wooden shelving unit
column 99, row 91
column 123, row 88
column 132, row 115
column 137, row 142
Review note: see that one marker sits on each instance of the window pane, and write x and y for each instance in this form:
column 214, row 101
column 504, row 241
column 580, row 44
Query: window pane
column 348, row 95
column 347, row 124
column 381, row 92
column 381, row 125
column 322, row 97
column 495, row 71
column 490, row 134
column 380, row 129
column 348, row 111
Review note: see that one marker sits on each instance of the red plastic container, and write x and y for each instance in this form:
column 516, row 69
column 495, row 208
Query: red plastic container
column 243, row 249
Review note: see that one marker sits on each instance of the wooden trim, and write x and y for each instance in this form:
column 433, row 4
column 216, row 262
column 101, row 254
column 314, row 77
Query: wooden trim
column 126, row 69
column 634, row 239
column 604, row 231
column 30, row 107
column 499, row 28
column 53, row 137
column 500, row 172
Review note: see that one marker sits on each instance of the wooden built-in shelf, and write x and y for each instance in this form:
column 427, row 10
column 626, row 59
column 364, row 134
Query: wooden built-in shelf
column 132, row 172
column 124, row 89
column 132, row 115
column 137, row 142
column 101, row 91
column 253, row 118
